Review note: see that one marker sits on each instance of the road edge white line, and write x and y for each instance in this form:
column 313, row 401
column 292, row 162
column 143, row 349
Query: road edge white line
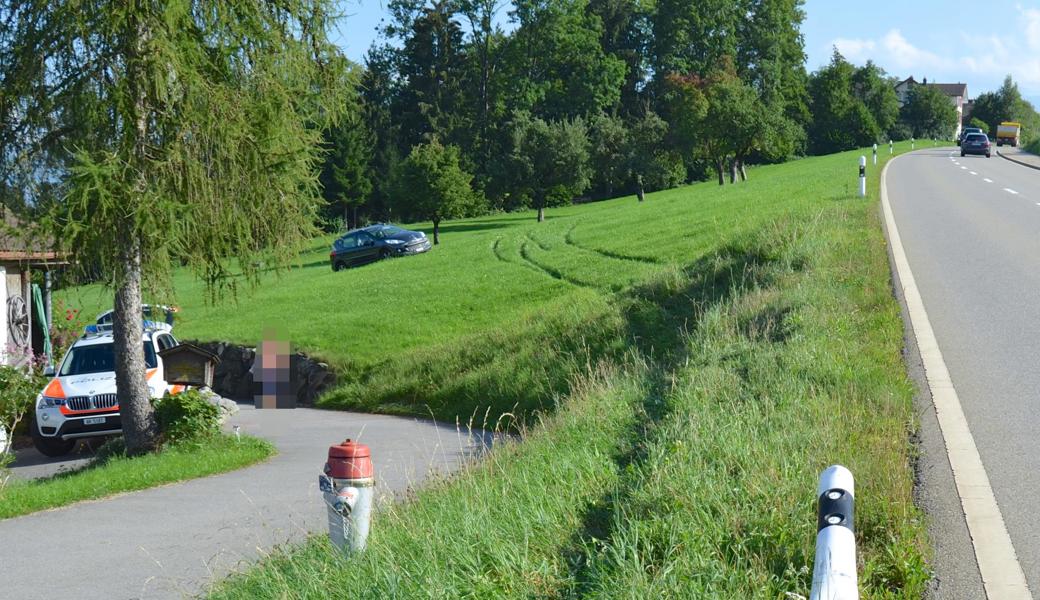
column 998, row 564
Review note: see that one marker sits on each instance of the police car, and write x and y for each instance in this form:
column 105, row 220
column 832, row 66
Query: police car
column 80, row 401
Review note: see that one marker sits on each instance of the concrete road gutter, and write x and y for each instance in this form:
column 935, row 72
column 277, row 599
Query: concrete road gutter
column 1019, row 156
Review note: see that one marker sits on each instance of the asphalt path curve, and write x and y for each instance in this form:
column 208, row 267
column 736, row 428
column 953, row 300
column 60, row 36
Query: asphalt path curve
column 175, row 540
column 970, row 228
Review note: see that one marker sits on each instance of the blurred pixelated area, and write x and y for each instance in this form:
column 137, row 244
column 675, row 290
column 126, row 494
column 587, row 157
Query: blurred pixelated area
column 272, row 372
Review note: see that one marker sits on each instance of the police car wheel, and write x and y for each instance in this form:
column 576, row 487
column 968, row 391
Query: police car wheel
column 52, row 447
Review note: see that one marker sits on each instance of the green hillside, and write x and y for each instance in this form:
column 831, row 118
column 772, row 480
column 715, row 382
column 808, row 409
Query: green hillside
column 704, row 356
column 493, row 316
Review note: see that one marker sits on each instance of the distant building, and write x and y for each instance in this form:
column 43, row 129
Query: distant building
column 21, row 329
column 956, row 92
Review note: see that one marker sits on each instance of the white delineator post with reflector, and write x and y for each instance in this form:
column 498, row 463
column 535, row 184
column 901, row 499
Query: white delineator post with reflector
column 834, row 569
column 863, row 177
column 875, row 153
column 890, row 146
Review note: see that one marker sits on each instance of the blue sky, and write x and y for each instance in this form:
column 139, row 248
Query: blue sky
column 946, row 41
column 977, row 43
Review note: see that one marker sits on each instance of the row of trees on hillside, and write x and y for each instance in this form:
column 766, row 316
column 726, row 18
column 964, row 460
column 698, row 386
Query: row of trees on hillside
column 598, row 98
column 582, row 98
column 1005, row 104
column 858, row 106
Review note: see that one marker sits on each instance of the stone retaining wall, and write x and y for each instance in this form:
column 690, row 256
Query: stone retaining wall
column 233, row 379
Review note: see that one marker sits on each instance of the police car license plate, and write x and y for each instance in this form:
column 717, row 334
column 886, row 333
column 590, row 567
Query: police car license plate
column 94, row 421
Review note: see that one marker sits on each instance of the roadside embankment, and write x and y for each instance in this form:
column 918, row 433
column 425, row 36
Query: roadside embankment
column 675, row 453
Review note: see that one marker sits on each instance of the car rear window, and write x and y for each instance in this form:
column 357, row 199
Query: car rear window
column 99, row 358
column 976, row 137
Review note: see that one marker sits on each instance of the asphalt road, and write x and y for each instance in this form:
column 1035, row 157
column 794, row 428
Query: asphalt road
column 971, row 231
column 171, row 541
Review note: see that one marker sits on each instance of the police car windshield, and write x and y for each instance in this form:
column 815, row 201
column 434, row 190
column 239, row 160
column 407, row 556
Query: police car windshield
column 98, row 358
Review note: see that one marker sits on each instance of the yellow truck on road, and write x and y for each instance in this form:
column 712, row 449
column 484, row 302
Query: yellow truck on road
column 1008, row 133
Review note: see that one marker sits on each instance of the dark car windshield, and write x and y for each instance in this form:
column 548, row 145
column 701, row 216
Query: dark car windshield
column 383, row 232
column 976, row 137
column 98, row 358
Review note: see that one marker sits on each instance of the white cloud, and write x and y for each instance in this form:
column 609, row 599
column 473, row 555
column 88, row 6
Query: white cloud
column 1031, row 20
column 982, row 59
column 904, row 55
column 892, row 50
column 853, row 49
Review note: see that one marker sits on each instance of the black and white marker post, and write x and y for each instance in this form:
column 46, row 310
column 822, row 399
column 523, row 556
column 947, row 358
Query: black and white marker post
column 862, row 176
column 834, row 570
column 890, row 146
column 875, row 153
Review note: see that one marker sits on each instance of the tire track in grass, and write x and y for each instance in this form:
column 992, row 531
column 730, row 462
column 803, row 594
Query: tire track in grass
column 568, row 239
column 550, row 271
column 539, row 243
column 658, row 321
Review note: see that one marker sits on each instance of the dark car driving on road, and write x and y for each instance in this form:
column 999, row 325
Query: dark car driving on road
column 375, row 242
column 975, row 143
column 966, row 132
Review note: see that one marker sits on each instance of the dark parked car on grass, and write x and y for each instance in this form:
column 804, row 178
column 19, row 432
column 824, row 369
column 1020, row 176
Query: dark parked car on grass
column 975, row 143
column 375, row 242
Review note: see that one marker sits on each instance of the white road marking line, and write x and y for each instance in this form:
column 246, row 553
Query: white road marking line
column 973, row 172
column 1001, row 573
column 987, row 180
column 1010, row 191
column 963, row 167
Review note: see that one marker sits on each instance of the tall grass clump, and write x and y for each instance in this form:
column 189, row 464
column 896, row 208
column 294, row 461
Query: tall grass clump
column 500, row 529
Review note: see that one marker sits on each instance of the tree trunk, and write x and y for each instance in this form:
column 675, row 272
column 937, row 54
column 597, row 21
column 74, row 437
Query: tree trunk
column 733, row 170
column 436, row 231
column 355, row 223
column 346, row 218
column 721, row 172
column 138, row 419
column 740, row 167
column 639, row 188
column 541, row 213
column 135, row 409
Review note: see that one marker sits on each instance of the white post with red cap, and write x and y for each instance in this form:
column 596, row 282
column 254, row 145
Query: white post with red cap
column 348, row 486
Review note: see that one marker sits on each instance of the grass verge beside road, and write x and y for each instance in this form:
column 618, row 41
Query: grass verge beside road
column 115, row 475
column 686, row 412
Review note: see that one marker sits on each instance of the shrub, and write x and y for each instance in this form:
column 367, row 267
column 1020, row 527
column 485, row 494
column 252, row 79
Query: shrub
column 186, row 416
column 112, row 448
column 18, row 390
column 66, row 327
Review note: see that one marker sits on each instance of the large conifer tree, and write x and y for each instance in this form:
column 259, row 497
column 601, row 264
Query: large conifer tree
column 174, row 131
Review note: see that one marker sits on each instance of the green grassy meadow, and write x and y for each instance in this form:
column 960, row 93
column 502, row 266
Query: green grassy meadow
column 679, row 371
column 120, row 474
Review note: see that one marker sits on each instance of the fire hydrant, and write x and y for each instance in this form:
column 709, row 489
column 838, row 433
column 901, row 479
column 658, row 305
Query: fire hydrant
column 348, row 486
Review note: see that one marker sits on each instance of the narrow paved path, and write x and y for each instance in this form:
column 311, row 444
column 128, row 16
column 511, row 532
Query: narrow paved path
column 971, row 231
column 171, row 541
